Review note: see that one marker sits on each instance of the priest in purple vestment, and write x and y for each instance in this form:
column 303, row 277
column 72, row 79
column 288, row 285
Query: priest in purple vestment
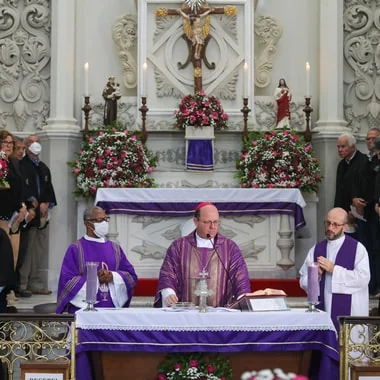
column 343, row 270
column 203, row 250
column 116, row 275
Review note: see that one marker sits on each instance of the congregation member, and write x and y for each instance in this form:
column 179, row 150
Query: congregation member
column 40, row 194
column 18, row 155
column 369, row 234
column 116, row 275
column 343, row 270
column 351, row 176
column 203, row 250
column 12, row 208
column 7, row 277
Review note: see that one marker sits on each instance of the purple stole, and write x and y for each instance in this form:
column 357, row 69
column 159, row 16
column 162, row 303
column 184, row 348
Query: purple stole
column 340, row 303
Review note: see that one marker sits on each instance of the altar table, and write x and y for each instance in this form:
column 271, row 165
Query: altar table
column 149, row 334
column 180, row 202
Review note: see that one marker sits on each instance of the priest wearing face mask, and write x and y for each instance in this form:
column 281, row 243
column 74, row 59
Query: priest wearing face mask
column 116, row 275
column 39, row 192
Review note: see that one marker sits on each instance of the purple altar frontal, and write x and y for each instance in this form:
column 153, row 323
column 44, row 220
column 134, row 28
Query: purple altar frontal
column 181, row 202
column 218, row 331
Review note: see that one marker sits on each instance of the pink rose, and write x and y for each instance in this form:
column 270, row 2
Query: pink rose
column 225, row 116
column 193, row 363
column 307, row 148
column 91, row 139
column 107, row 152
column 126, row 131
column 177, row 367
column 150, row 170
column 76, row 171
column 244, row 185
column 134, row 137
column 101, row 133
column 161, row 376
column 210, row 368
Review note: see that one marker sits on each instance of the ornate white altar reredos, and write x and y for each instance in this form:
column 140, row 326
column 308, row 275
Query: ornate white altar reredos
column 170, row 73
column 263, row 222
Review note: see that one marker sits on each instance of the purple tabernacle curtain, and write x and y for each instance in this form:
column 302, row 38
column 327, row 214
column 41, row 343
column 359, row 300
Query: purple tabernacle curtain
column 200, row 155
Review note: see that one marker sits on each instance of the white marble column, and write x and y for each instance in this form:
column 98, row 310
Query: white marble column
column 331, row 68
column 331, row 121
column 61, row 137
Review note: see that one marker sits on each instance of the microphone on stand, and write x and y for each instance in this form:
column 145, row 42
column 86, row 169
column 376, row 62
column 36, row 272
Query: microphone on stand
column 225, row 269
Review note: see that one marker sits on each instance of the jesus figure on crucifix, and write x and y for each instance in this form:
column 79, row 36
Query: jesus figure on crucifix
column 196, row 24
column 197, row 31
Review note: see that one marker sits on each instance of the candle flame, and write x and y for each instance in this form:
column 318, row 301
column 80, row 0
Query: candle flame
column 307, row 66
column 86, row 66
column 145, row 66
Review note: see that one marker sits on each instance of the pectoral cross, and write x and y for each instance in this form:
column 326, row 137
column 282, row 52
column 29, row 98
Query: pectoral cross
column 202, row 291
column 196, row 24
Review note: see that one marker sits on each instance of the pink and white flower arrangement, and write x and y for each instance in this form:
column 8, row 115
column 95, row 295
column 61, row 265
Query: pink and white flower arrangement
column 3, row 170
column 114, row 157
column 267, row 374
column 194, row 366
column 278, row 159
column 200, row 110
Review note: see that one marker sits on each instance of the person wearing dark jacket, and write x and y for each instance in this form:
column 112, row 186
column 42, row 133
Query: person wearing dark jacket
column 40, row 193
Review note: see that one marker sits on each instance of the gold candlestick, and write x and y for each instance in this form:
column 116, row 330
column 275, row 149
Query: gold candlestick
column 143, row 109
column 308, row 110
column 86, row 109
column 246, row 110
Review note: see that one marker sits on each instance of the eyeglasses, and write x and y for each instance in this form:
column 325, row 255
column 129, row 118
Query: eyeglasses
column 211, row 222
column 332, row 224
column 7, row 142
column 100, row 220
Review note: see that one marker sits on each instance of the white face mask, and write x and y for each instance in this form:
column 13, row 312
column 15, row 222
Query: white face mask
column 35, row 148
column 101, row 229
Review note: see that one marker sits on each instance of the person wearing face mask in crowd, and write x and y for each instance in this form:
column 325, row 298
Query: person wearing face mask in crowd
column 40, row 193
column 116, row 275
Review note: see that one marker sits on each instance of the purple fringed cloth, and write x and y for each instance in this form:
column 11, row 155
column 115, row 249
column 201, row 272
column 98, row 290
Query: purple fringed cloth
column 340, row 303
column 181, row 202
column 200, row 156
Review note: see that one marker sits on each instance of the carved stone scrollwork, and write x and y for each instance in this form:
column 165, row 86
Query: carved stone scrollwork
column 124, row 34
column 362, row 59
column 24, row 59
column 268, row 31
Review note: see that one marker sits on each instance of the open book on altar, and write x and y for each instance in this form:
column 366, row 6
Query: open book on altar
column 261, row 300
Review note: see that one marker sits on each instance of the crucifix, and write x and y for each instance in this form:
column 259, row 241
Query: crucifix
column 203, row 291
column 196, row 24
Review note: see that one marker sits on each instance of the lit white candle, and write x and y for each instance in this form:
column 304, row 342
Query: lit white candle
column 144, row 79
column 245, row 81
column 307, row 80
column 86, row 79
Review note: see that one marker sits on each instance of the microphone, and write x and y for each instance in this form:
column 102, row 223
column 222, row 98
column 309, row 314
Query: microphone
column 229, row 279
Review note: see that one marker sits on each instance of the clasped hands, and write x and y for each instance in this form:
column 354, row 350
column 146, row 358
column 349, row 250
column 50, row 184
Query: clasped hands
column 105, row 276
column 324, row 265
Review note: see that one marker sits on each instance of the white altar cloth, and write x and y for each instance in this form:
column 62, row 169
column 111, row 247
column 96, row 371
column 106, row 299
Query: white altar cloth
column 148, row 319
column 191, row 195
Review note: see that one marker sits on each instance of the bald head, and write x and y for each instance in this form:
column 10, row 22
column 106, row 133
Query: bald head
column 336, row 223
